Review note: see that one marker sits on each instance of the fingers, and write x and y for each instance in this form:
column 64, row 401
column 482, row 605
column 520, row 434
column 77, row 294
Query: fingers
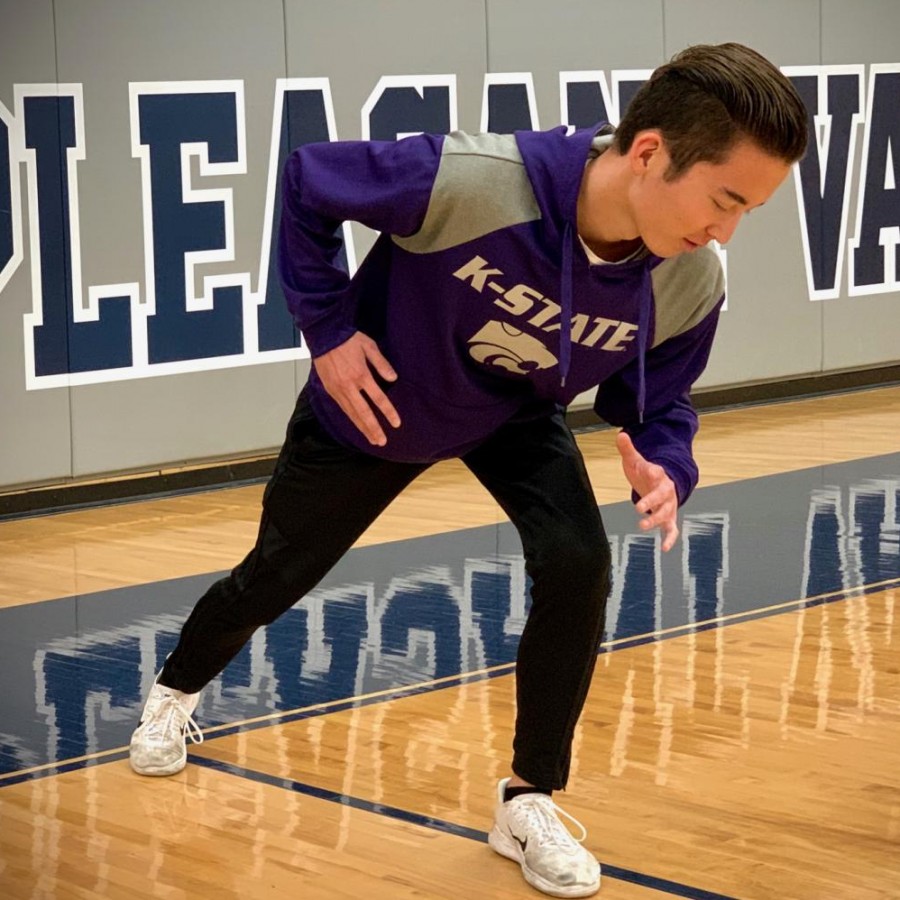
column 357, row 409
column 346, row 374
column 666, row 519
column 667, row 524
column 384, row 406
column 627, row 450
column 659, row 507
column 371, row 388
column 378, row 360
column 641, row 475
column 670, row 537
column 661, row 495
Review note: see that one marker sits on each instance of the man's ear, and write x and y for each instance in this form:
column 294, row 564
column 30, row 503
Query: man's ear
column 647, row 149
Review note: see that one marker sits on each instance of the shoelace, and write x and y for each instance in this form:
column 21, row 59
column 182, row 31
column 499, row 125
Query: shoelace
column 170, row 716
column 541, row 815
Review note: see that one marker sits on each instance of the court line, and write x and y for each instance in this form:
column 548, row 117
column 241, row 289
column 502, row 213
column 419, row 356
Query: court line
column 674, row 888
column 288, row 716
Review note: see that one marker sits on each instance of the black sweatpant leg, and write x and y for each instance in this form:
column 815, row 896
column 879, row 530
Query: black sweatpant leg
column 536, row 473
column 321, row 498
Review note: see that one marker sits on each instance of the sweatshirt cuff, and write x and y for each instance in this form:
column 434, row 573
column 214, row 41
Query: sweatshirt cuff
column 327, row 333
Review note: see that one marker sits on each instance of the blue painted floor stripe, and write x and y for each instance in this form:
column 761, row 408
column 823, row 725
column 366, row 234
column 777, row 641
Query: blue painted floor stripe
column 392, row 812
column 381, row 809
column 469, row 678
column 419, row 614
column 62, row 768
column 789, row 606
column 640, row 641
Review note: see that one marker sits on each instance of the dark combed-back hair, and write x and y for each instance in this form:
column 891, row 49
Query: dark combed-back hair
column 708, row 99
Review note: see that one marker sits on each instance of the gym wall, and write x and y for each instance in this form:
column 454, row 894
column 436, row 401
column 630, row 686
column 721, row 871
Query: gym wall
column 141, row 323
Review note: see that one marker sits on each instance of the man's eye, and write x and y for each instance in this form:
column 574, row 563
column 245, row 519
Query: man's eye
column 717, row 204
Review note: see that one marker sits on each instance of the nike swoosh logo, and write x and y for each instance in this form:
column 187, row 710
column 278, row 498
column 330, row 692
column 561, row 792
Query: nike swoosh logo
column 520, row 842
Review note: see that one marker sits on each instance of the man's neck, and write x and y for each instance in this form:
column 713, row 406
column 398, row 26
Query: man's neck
column 604, row 216
column 613, row 252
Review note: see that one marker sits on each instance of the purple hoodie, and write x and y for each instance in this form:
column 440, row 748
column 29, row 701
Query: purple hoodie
column 480, row 295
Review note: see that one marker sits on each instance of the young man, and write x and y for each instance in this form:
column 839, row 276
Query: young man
column 512, row 273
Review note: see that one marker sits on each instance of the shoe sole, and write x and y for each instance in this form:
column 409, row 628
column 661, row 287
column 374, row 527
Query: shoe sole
column 500, row 843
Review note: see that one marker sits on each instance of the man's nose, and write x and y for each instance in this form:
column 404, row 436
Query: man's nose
column 723, row 229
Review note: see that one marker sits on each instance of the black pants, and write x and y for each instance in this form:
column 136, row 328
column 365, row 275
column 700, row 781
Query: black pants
column 322, row 497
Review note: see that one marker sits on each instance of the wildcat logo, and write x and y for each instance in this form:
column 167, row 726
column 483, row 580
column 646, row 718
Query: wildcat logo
column 501, row 345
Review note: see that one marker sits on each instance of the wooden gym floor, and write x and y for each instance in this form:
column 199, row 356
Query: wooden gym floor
column 740, row 737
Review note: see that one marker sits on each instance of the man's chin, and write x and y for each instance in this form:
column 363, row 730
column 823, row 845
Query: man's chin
column 667, row 250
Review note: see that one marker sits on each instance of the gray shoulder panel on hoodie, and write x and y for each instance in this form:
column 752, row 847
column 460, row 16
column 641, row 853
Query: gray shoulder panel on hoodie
column 685, row 290
column 481, row 186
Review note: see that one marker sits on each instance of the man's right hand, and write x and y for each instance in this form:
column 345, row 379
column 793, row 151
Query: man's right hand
column 346, row 374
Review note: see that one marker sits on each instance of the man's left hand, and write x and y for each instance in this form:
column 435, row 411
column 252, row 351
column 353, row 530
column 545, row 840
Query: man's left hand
column 659, row 501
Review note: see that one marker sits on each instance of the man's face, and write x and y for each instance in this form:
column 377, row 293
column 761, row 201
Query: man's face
column 704, row 203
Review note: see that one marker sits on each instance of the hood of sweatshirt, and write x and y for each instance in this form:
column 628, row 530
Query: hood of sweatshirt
column 555, row 162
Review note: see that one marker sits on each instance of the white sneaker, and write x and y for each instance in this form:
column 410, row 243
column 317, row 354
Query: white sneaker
column 158, row 745
column 528, row 830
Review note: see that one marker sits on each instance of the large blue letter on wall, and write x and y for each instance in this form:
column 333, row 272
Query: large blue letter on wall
column 509, row 104
column 6, row 210
column 876, row 257
column 395, row 109
column 62, row 345
column 588, row 99
column 825, row 182
column 303, row 120
column 167, row 122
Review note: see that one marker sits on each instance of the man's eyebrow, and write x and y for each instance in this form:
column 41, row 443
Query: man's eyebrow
column 734, row 196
